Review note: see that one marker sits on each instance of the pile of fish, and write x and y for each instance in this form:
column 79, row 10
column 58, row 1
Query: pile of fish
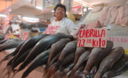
column 9, row 43
column 59, row 57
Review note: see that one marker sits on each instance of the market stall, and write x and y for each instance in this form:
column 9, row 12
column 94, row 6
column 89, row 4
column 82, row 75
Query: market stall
column 97, row 49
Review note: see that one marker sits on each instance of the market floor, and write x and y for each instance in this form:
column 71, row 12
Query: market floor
column 34, row 74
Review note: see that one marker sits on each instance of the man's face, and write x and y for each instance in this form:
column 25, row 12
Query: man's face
column 59, row 13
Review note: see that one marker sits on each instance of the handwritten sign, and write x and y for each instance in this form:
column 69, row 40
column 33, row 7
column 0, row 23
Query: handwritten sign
column 92, row 37
column 51, row 30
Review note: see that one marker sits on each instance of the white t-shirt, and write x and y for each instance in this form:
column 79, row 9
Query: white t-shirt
column 65, row 26
column 15, row 29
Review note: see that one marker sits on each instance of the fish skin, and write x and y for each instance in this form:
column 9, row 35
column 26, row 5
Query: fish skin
column 41, row 46
column 96, row 56
column 109, row 61
column 118, row 68
column 57, row 48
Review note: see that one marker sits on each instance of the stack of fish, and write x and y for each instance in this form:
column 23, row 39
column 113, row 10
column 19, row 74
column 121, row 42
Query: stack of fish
column 61, row 58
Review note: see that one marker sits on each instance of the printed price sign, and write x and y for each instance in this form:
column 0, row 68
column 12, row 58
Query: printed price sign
column 92, row 37
column 51, row 29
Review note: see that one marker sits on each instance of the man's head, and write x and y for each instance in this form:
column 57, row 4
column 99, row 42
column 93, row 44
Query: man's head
column 59, row 11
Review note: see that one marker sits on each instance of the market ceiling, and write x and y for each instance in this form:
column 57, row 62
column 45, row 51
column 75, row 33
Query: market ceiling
column 17, row 3
column 6, row 3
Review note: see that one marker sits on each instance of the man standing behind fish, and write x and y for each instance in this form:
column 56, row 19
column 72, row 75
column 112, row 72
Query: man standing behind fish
column 60, row 23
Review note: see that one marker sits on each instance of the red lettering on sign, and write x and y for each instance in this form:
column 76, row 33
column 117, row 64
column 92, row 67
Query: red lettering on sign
column 81, row 42
column 92, row 37
column 51, row 30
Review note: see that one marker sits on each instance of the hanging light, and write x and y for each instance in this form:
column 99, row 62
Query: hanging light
column 39, row 7
column 3, row 15
column 30, row 19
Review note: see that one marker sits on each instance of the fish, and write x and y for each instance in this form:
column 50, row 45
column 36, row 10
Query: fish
column 77, row 74
column 66, row 62
column 50, row 71
column 40, row 60
column 53, row 61
column 108, row 62
column 57, row 47
column 41, row 46
column 7, row 57
column 95, row 53
column 28, row 44
column 18, row 61
column 9, row 44
column 78, row 53
column 118, row 68
column 82, row 59
column 2, row 41
column 69, row 48
column 92, row 72
column 66, row 57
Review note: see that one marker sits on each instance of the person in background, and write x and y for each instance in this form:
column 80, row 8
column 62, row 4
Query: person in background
column 14, row 29
column 60, row 23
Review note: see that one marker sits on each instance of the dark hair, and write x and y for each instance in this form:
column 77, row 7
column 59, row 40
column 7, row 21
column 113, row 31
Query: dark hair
column 60, row 5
